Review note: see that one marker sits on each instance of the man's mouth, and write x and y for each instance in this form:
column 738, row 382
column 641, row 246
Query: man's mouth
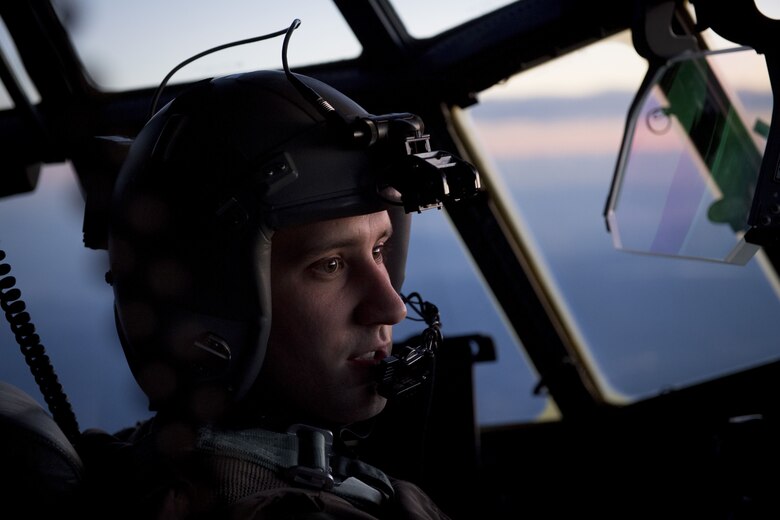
column 371, row 357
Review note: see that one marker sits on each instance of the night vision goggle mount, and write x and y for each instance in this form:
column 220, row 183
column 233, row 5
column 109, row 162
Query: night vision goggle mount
column 421, row 178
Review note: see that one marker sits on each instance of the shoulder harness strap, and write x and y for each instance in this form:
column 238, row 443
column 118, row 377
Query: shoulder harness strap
column 303, row 456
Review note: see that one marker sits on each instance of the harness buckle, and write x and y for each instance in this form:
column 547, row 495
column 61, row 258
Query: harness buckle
column 314, row 451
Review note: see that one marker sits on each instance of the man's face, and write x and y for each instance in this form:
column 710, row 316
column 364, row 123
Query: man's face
column 333, row 308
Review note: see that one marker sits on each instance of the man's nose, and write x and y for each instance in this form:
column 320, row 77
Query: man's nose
column 380, row 304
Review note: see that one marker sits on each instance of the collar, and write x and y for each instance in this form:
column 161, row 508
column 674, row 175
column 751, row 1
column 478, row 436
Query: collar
column 302, row 455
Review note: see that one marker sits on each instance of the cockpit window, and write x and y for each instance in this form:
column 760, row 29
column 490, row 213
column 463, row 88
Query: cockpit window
column 424, row 19
column 645, row 324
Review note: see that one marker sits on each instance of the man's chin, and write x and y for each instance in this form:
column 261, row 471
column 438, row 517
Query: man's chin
column 368, row 410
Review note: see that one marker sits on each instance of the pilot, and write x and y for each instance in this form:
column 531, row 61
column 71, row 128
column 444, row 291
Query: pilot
column 257, row 253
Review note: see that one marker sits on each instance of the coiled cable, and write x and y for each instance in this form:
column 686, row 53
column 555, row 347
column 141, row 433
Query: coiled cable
column 35, row 354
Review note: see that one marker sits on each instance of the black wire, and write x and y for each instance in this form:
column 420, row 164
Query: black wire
column 35, row 354
column 427, row 311
column 414, row 301
column 285, row 43
column 327, row 110
column 173, row 71
column 432, row 339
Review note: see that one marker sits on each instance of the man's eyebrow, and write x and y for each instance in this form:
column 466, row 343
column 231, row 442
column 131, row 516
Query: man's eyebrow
column 325, row 244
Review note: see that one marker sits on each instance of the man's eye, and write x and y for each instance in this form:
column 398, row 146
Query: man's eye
column 379, row 253
column 329, row 265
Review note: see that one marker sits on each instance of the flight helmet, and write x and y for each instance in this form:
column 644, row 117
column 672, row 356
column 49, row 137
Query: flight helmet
column 205, row 185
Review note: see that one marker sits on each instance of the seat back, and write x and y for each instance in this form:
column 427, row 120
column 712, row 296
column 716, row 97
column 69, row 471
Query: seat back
column 40, row 470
